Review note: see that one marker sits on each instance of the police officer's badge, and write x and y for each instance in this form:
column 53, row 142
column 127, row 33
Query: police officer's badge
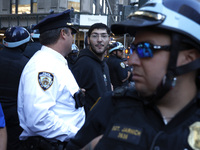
column 122, row 65
column 45, row 80
column 194, row 136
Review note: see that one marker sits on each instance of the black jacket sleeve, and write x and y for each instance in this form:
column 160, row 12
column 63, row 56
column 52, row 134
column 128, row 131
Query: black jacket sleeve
column 95, row 123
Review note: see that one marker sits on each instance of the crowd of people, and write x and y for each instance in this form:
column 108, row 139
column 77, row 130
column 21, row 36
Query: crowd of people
column 55, row 96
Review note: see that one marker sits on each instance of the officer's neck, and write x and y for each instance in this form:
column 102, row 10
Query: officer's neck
column 177, row 98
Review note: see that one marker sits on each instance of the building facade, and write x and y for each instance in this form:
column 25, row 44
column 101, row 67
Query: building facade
column 86, row 12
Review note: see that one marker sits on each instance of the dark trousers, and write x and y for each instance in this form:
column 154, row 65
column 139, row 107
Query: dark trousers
column 40, row 143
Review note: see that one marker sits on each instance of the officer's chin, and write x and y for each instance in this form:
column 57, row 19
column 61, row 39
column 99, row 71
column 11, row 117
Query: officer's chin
column 144, row 94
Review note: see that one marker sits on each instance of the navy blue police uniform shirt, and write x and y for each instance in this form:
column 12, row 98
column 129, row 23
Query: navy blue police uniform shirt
column 128, row 123
column 12, row 62
column 32, row 48
column 118, row 71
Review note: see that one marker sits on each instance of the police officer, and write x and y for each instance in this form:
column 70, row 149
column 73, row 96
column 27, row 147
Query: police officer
column 34, row 45
column 119, row 73
column 49, row 101
column 12, row 62
column 72, row 56
column 163, row 111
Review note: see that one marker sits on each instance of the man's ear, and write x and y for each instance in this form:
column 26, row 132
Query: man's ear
column 193, row 54
column 62, row 33
column 187, row 56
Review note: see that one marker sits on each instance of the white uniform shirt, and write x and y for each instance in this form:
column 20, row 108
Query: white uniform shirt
column 45, row 104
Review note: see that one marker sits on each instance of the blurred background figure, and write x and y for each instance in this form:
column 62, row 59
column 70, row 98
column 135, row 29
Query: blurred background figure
column 1, row 46
column 72, row 56
column 119, row 71
column 34, row 45
column 12, row 62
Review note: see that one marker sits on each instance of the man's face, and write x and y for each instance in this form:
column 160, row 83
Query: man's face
column 119, row 53
column 99, row 40
column 148, row 72
column 69, row 40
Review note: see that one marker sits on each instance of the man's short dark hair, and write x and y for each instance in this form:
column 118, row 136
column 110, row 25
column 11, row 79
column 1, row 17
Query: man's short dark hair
column 98, row 26
column 51, row 36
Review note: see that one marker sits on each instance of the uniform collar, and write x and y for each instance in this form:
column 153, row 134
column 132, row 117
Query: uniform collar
column 55, row 53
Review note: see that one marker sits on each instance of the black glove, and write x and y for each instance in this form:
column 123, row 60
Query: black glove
column 79, row 98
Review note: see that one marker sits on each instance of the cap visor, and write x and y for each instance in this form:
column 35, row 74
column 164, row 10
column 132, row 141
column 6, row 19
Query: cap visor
column 74, row 31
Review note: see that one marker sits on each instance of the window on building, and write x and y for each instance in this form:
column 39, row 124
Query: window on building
column 13, row 5
column 75, row 4
column 34, row 6
column 24, row 6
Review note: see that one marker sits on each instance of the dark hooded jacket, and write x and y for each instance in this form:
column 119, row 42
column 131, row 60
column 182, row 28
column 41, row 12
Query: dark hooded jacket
column 92, row 74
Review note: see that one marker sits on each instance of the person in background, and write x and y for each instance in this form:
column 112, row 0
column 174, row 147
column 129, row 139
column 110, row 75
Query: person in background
column 12, row 62
column 72, row 56
column 163, row 110
column 3, row 132
column 1, row 46
column 49, row 99
column 90, row 70
column 34, row 45
column 119, row 73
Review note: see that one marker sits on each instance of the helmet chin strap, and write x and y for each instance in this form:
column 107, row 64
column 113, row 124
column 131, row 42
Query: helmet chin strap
column 169, row 80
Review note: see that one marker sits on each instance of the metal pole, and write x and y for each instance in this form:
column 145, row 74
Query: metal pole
column 74, row 38
column 124, row 40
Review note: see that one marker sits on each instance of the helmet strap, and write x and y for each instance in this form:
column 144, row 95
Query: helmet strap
column 169, row 80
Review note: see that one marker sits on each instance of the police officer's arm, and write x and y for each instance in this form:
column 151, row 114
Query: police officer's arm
column 122, row 71
column 95, row 123
column 3, row 132
column 92, row 144
column 128, row 76
column 3, row 138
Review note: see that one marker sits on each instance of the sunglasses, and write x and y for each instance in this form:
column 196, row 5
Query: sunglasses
column 145, row 49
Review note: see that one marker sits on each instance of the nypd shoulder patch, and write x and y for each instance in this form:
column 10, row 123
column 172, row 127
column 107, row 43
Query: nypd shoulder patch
column 45, row 80
column 122, row 65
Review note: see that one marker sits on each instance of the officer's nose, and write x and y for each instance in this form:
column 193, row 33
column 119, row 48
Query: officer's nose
column 134, row 59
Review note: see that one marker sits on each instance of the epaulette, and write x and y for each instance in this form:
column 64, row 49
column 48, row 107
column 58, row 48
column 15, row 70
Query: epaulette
column 129, row 92
column 120, row 91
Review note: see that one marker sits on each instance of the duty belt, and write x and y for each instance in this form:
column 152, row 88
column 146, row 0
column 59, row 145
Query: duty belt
column 40, row 143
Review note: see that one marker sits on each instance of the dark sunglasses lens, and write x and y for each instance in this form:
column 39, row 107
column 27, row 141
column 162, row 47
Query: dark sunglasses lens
column 144, row 50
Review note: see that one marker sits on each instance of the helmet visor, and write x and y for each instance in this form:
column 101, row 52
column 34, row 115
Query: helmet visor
column 136, row 20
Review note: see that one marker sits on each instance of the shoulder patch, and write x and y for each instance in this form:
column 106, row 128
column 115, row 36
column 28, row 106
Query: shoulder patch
column 122, row 65
column 45, row 80
column 194, row 136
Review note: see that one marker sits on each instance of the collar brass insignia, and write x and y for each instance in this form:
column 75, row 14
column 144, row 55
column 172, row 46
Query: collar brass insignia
column 69, row 24
column 194, row 136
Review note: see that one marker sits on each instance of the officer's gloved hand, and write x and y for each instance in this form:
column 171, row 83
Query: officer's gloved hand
column 79, row 98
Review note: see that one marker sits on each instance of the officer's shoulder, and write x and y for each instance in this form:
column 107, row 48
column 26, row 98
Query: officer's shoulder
column 125, row 92
column 126, row 97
